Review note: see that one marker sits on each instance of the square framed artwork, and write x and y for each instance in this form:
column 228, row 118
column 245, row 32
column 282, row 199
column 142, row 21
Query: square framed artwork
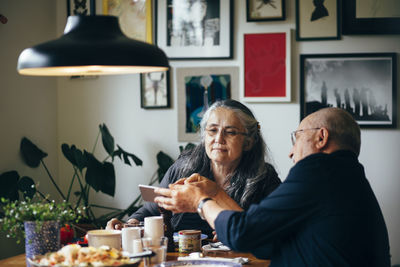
column 371, row 17
column 135, row 17
column 198, row 88
column 267, row 67
column 362, row 84
column 194, row 29
column 265, row 10
column 81, row 7
column 317, row 20
column 155, row 90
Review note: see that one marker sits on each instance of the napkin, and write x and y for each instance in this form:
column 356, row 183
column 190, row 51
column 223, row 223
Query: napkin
column 199, row 256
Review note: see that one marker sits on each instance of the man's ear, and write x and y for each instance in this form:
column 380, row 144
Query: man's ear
column 323, row 136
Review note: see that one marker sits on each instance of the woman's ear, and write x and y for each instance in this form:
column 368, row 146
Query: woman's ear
column 248, row 144
column 323, row 137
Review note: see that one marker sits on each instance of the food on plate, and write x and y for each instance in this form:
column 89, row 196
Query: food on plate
column 75, row 255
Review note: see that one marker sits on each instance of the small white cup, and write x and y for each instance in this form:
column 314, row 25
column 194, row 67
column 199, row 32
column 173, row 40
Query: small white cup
column 154, row 226
column 128, row 235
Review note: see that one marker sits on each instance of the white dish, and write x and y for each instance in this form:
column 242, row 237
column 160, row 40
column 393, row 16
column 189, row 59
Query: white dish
column 218, row 247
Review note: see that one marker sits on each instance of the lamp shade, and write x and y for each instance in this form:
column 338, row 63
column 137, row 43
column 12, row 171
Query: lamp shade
column 91, row 45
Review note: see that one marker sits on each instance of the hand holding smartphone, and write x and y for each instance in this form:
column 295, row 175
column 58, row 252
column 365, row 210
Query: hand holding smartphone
column 147, row 192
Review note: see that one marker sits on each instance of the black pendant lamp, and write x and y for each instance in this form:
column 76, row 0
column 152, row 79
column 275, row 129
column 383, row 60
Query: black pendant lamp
column 91, row 45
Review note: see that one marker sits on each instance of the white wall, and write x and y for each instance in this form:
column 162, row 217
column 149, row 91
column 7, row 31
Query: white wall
column 27, row 104
column 83, row 104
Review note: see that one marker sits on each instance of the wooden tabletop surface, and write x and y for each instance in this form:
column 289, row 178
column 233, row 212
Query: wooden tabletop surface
column 19, row 260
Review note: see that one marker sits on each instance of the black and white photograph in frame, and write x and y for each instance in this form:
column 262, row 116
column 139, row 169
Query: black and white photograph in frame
column 154, row 90
column 362, row 84
column 81, row 7
column 200, row 29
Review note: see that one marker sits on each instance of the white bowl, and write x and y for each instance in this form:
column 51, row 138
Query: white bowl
column 111, row 238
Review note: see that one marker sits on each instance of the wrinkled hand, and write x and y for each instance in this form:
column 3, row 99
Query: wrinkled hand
column 185, row 194
column 208, row 187
column 115, row 224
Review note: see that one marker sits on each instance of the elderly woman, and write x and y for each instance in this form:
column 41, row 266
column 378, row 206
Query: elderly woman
column 231, row 153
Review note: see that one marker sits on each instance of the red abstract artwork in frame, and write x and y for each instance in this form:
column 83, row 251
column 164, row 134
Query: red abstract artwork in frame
column 266, row 67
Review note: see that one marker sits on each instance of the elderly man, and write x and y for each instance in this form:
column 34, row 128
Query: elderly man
column 324, row 214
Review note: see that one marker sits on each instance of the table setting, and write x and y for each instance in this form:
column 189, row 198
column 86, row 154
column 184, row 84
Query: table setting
column 144, row 246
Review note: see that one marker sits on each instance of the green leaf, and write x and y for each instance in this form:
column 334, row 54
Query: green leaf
column 74, row 155
column 8, row 185
column 122, row 154
column 27, row 186
column 108, row 140
column 164, row 162
column 31, row 154
column 100, row 176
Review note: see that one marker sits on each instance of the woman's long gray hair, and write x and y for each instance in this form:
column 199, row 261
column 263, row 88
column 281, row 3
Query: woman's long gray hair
column 247, row 182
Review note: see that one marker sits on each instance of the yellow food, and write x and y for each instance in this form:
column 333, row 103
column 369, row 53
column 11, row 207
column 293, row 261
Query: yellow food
column 75, row 255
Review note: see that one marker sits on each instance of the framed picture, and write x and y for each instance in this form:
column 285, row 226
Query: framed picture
column 267, row 67
column 198, row 88
column 135, row 17
column 362, row 84
column 371, row 17
column 317, row 20
column 154, row 90
column 257, row 10
column 195, row 29
column 81, row 7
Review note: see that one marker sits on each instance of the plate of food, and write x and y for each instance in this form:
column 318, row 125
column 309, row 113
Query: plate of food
column 75, row 255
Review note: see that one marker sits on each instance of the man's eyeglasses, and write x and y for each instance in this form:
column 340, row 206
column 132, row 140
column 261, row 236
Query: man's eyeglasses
column 293, row 134
column 227, row 132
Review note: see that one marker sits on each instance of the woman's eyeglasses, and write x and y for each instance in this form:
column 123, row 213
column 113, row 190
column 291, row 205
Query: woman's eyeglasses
column 227, row 132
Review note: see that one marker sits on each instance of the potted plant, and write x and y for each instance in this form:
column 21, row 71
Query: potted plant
column 89, row 174
column 38, row 221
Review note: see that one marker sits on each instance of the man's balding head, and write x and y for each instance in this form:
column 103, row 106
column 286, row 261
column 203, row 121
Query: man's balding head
column 343, row 129
column 325, row 131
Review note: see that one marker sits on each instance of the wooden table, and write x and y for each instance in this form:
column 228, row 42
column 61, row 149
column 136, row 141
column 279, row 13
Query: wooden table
column 19, row 260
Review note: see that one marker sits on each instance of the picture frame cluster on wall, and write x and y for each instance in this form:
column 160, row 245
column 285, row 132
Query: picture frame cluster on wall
column 364, row 84
column 203, row 30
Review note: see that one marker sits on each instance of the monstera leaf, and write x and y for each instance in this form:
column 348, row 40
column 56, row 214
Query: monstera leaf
column 164, row 162
column 100, row 176
column 75, row 156
column 27, row 186
column 31, row 154
column 108, row 140
column 9, row 185
column 122, row 154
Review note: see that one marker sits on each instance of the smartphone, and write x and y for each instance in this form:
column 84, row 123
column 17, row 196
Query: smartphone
column 147, row 192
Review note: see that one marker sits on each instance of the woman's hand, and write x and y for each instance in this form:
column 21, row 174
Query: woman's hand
column 115, row 224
